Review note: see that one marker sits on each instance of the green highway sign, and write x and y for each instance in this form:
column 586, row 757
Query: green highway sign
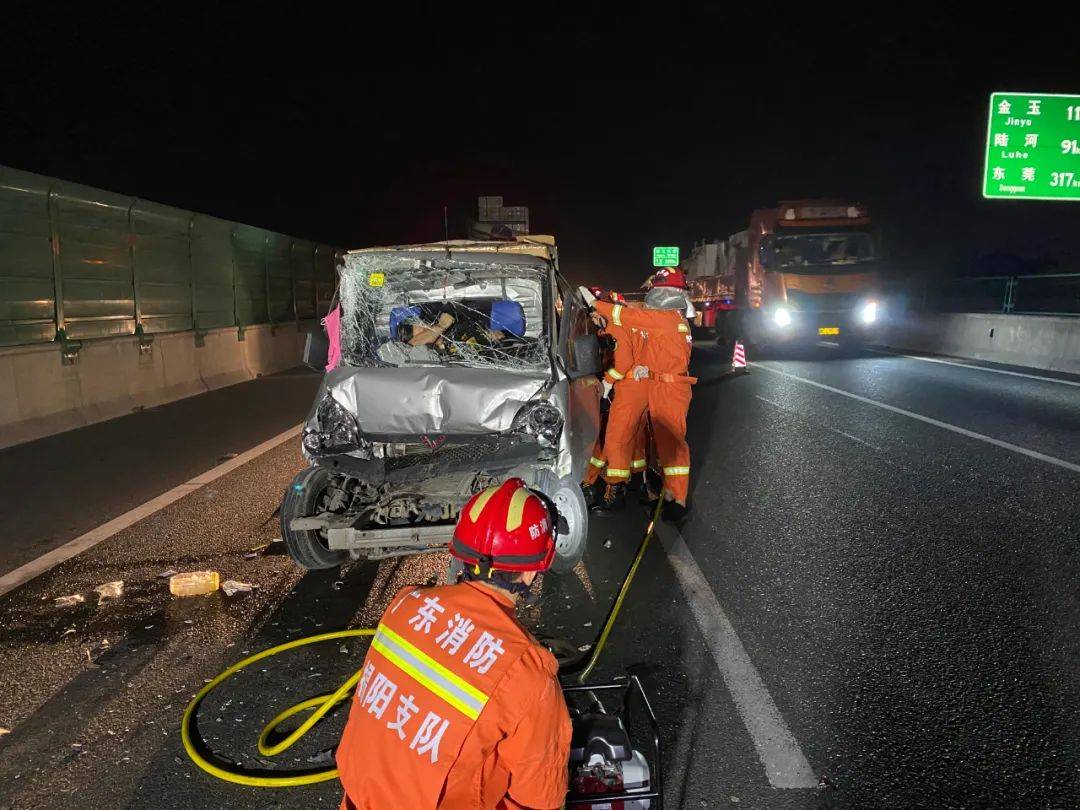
column 1032, row 147
column 665, row 256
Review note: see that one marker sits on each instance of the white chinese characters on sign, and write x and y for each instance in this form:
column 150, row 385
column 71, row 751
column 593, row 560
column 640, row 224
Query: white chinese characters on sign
column 1004, row 107
column 1031, row 139
column 1001, row 139
column 1033, row 106
column 425, row 616
column 999, row 173
column 1028, row 174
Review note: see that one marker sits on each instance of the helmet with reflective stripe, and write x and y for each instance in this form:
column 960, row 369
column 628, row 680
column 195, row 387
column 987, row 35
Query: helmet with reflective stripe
column 507, row 527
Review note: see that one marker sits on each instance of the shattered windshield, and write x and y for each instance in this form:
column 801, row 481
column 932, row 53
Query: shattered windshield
column 407, row 310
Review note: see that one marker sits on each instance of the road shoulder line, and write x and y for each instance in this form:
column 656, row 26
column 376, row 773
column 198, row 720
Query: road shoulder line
column 946, row 362
column 24, row 573
column 785, row 764
column 971, row 434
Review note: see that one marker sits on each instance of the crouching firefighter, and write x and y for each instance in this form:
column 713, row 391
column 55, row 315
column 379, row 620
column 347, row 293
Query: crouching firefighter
column 662, row 368
column 458, row 705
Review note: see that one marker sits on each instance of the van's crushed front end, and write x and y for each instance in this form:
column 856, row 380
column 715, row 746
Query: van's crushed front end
column 448, row 385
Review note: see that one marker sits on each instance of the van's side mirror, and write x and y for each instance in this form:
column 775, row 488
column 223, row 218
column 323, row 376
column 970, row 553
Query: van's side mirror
column 584, row 356
column 316, row 350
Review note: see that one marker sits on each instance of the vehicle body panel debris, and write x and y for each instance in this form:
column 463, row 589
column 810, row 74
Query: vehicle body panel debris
column 232, row 586
column 69, row 601
column 109, row 590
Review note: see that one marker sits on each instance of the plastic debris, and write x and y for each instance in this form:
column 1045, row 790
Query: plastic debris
column 232, row 586
column 69, row 601
column 227, row 456
column 194, row 583
column 588, row 624
column 585, row 648
column 4, row 731
column 167, row 573
column 109, row 590
column 338, row 585
column 607, row 543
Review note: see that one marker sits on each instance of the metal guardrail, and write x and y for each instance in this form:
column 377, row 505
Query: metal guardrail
column 1038, row 294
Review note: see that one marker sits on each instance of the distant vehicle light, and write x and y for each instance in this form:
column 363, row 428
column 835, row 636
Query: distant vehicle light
column 782, row 317
column 868, row 314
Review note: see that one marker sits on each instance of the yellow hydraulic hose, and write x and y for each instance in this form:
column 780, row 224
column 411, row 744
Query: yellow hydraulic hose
column 322, row 704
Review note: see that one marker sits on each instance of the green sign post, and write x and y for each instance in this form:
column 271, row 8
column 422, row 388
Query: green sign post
column 665, row 256
column 1032, row 147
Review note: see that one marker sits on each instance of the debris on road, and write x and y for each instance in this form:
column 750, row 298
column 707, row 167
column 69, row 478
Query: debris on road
column 4, row 731
column 607, row 543
column 69, row 601
column 168, row 572
column 194, row 583
column 109, row 590
column 227, row 456
column 232, row 586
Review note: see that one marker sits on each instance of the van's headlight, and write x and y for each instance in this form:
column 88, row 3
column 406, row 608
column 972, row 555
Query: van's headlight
column 782, row 316
column 541, row 419
column 336, row 432
column 869, row 312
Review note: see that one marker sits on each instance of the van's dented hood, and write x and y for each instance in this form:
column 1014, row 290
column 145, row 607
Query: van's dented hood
column 422, row 400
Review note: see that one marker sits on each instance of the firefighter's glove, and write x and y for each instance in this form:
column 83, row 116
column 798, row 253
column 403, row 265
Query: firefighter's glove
column 607, row 389
column 640, row 372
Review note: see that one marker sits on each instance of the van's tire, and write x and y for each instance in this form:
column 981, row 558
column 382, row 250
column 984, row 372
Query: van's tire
column 568, row 498
column 302, row 499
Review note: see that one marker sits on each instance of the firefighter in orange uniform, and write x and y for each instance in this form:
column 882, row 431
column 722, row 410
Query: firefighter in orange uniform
column 458, row 705
column 662, row 370
column 617, row 380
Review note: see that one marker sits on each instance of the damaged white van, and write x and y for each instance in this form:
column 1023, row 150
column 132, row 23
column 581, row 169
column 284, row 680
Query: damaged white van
column 462, row 364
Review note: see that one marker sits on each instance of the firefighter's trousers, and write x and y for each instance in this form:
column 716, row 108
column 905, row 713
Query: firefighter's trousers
column 667, row 404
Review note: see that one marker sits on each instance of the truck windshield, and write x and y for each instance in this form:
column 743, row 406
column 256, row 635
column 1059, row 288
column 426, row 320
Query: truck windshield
column 822, row 249
column 401, row 311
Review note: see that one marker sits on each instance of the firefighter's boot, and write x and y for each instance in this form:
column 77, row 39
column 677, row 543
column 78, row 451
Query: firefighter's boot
column 614, row 500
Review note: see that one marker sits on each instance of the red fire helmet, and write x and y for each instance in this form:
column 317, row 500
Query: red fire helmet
column 505, row 528
column 669, row 277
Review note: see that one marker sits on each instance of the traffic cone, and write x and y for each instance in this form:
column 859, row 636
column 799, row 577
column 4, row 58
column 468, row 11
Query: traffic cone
column 738, row 360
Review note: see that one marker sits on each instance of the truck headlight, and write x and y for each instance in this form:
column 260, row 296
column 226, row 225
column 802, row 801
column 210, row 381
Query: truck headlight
column 868, row 314
column 336, row 431
column 541, row 419
column 782, row 316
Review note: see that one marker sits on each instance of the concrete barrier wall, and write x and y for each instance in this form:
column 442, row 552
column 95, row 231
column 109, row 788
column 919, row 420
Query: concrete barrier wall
column 40, row 395
column 1037, row 341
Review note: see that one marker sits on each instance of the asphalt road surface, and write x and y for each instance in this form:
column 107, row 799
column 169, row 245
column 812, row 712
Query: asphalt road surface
column 873, row 604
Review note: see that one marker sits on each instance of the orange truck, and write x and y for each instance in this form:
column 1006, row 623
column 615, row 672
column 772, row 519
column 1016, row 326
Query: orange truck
column 805, row 271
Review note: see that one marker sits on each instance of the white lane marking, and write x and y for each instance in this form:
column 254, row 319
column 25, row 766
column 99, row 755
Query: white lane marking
column 25, row 573
column 785, row 764
column 971, row 434
column 1074, row 383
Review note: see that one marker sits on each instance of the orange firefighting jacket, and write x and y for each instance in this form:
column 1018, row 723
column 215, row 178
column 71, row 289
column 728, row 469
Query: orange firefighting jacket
column 458, row 707
column 665, row 348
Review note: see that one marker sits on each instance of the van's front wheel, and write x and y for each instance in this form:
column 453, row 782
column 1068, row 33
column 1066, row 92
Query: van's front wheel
column 566, row 494
column 306, row 496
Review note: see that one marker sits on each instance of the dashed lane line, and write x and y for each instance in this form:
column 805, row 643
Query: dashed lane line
column 25, row 573
column 971, row 434
column 785, row 764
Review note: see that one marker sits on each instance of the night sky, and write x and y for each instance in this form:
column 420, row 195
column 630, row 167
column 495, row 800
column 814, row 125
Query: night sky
column 619, row 132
